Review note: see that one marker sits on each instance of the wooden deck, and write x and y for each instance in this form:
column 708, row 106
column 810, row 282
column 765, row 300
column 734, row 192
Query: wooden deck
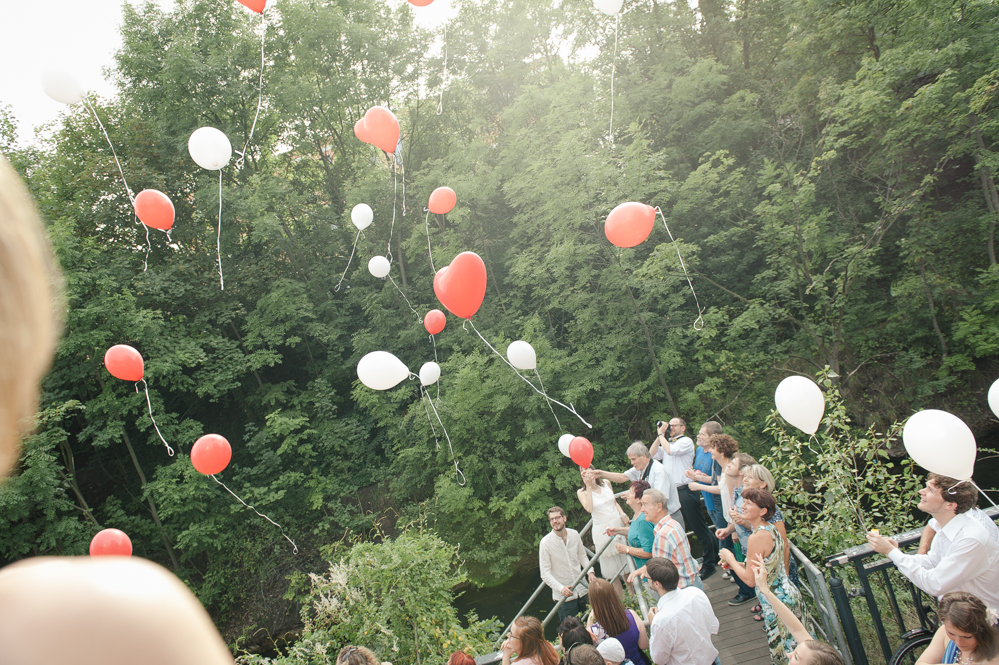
column 740, row 639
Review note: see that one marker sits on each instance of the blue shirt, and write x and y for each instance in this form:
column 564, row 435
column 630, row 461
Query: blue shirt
column 705, row 464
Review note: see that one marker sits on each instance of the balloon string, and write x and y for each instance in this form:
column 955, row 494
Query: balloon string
column 440, row 100
column 100, row 124
column 395, row 177
column 295, row 551
column 260, row 94
column 571, row 409
column 424, row 398
column 149, row 247
column 449, row 446
column 150, row 405
column 546, row 397
column 434, row 342
column 418, row 317
column 617, row 25
column 699, row 321
column 218, row 239
column 426, row 223
column 337, row 287
column 847, row 495
column 980, row 491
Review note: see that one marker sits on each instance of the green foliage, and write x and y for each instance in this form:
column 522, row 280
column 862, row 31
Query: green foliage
column 842, row 481
column 393, row 597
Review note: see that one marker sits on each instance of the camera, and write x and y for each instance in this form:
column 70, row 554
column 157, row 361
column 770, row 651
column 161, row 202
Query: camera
column 660, row 423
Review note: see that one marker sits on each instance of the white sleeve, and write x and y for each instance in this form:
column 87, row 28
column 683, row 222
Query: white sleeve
column 660, row 642
column 966, row 560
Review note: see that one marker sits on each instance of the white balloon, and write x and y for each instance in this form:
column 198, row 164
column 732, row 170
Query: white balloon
column 609, row 7
column 379, row 266
column 800, row 402
column 380, row 370
column 563, row 443
column 940, row 442
column 209, row 148
column 62, row 87
column 994, row 398
column 429, row 373
column 361, row 216
column 521, row 355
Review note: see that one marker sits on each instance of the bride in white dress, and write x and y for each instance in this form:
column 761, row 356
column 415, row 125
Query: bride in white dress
column 597, row 498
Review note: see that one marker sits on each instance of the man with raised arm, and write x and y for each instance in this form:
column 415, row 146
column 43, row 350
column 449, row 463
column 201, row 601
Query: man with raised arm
column 682, row 622
column 643, row 467
column 562, row 558
column 962, row 556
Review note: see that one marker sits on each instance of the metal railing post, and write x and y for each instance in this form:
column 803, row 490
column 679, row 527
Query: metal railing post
column 846, row 619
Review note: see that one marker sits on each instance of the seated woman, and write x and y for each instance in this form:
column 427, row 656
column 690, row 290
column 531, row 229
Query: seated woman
column 766, row 542
column 527, row 640
column 967, row 634
column 617, row 622
column 808, row 651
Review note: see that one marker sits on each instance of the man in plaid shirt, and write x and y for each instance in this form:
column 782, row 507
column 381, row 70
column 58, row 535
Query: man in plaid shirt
column 670, row 541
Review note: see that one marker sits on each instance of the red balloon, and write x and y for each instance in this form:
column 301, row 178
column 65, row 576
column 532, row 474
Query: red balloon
column 434, row 321
column 462, row 286
column 154, row 209
column 255, row 5
column 382, row 127
column 124, row 362
column 629, row 224
column 443, row 199
column 420, row 3
column 111, row 542
column 211, row 454
column 361, row 132
column 581, row 451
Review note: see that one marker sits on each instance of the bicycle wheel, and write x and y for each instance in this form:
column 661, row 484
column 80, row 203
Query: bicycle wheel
column 911, row 649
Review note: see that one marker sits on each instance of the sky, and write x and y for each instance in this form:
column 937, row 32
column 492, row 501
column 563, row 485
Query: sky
column 79, row 38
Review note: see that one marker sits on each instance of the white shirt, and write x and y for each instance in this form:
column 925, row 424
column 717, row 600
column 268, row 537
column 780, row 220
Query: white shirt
column 682, row 628
column 660, row 479
column 979, row 515
column 679, row 460
column 561, row 562
column 961, row 558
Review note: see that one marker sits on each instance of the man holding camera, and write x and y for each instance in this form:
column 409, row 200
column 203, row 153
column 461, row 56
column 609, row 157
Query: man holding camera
column 676, row 451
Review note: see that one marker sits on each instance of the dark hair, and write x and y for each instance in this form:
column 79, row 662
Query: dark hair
column 639, row 486
column 555, row 509
column 533, row 643
column 607, row 608
column 461, row 658
column 583, row 654
column 351, row 655
column 763, row 499
column 663, row 571
column 711, row 428
column 744, row 459
column 573, row 631
column 968, row 613
column 822, row 653
column 725, row 444
column 961, row 492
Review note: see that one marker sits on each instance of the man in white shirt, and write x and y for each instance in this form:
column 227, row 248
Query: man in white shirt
column 562, row 558
column 643, row 467
column 962, row 557
column 676, row 452
column 682, row 622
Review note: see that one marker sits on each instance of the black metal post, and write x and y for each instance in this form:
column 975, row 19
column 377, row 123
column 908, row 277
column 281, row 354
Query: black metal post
column 848, row 622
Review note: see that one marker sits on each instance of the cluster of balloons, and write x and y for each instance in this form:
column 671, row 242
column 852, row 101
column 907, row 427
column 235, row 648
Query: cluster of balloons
column 381, row 370
column 378, row 127
column 577, row 448
column 938, row 441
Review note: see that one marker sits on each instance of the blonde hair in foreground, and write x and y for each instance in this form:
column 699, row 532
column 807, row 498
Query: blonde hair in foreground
column 30, row 286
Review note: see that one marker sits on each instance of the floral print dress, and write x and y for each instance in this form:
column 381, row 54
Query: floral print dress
column 778, row 636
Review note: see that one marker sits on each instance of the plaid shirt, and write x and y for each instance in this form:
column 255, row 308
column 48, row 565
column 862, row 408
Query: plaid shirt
column 670, row 542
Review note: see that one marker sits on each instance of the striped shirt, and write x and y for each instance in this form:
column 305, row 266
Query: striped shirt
column 670, row 542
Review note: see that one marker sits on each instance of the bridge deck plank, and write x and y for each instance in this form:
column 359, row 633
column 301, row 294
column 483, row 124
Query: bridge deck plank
column 740, row 639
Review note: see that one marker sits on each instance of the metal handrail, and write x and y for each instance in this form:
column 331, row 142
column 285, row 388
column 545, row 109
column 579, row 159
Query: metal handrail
column 818, row 590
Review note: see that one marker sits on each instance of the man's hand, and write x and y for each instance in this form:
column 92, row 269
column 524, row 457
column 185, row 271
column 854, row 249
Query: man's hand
column 880, row 544
column 652, row 612
column 566, row 591
column 641, row 572
column 590, row 575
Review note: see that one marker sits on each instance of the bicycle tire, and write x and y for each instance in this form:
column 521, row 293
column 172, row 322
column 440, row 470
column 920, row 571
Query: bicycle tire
column 911, row 649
